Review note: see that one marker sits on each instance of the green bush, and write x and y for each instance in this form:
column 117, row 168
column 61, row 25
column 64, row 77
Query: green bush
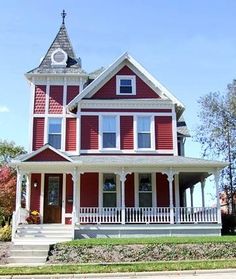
column 5, row 233
column 228, row 224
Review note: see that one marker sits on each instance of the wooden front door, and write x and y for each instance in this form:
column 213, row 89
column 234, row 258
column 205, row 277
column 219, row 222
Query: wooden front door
column 52, row 198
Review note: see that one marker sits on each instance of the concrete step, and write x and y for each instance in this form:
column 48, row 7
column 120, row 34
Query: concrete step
column 45, row 226
column 26, row 260
column 29, row 253
column 43, row 233
column 39, row 241
column 30, row 247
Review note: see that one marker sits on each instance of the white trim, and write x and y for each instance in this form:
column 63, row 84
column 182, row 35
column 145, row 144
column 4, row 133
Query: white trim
column 126, row 151
column 152, row 133
column 174, row 132
column 123, row 113
column 31, row 113
column 118, row 191
column 100, row 133
column 126, row 77
column 177, row 193
column 68, row 215
column 63, row 134
column 64, row 96
column 42, row 197
column 46, row 111
column 63, row 204
column 61, row 63
column 125, row 59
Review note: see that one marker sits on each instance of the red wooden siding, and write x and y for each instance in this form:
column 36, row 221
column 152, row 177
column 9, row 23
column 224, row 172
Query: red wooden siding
column 70, row 134
column 89, row 190
column 46, row 155
column 89, row 132
column 108, row 91
column 69, row 193
column 40, row 99
column 126, row 132
column 56, row 99
column 163, row 131
column 38, row 133
column 162, row 190
column 72, row 92
column 129, row 191
column 35, row 192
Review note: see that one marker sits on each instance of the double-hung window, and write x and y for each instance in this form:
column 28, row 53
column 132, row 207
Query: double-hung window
column 144, row 132
column 145, row 189
column 109, row 190
column 109, row 131
column 125, row 85
column 54, row 132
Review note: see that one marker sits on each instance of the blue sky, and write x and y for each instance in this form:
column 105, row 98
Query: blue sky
column 188, row 45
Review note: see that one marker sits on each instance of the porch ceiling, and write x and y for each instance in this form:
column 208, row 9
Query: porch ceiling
column 188, row 179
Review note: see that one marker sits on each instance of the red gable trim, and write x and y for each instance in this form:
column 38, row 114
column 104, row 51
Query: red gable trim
column 46, row 156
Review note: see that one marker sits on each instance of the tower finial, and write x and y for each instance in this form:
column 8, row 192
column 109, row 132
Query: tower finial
column 63, row 14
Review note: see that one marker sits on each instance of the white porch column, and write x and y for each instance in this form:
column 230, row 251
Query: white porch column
column 203, row 182
column 18, row 189
column 122, row 174
column 76, row 195
column 28, row 191
column 191, row 196
column 177, row 197
column 217, row 177
column 170, row 177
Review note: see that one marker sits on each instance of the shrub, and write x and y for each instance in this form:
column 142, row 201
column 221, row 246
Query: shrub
column 5, row 233
column 228, row 223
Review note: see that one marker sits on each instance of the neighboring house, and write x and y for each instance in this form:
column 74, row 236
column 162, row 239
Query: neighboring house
column 107, row 152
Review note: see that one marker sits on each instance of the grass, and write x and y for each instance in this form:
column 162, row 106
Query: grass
column 111, row 268
column 154, row 240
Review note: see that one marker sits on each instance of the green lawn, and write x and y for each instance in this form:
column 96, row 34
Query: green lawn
column 110, row 268
column 154, row 240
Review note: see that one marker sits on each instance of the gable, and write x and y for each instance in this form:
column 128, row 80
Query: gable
column 108, row 90
column 46, row 156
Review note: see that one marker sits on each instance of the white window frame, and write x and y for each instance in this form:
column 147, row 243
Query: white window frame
column 62, row 130
column 127, row 77
column 117, row 147
column 136, row 186
column 152, row 133
column 100, row 200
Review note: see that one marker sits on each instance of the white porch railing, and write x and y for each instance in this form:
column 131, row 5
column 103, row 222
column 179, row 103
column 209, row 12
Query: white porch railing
column 146, row 215
column 15, row 221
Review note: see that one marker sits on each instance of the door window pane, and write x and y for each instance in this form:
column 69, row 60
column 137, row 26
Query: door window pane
column 53, row 190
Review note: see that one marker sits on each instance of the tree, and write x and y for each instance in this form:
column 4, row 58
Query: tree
column 9, row 150
column 217, row 134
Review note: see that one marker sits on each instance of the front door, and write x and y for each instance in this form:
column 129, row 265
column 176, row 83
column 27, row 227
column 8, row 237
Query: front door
column 52, row 198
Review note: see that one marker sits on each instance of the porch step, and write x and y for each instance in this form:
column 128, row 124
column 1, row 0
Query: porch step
column 28, row 254
column 43, row 234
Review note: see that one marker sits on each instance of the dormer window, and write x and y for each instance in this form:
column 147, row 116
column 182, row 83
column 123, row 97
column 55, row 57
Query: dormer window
column 59, row 57
column 125, row 85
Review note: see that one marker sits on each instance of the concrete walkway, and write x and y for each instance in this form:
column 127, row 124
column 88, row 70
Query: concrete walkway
column 198, row 274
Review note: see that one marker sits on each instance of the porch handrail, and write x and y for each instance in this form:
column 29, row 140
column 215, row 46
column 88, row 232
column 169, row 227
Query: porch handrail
column 15, row 221
column 195, row 214
column 98, row 215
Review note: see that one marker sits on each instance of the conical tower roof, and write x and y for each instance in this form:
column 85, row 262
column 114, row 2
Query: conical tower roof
column 61, row 42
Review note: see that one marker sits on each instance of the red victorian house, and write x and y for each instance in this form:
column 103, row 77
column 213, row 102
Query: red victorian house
column 106, row 154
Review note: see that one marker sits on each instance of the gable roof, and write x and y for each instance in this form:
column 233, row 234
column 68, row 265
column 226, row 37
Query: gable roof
column 124, row 59
column 73, row 65
column 32, row 155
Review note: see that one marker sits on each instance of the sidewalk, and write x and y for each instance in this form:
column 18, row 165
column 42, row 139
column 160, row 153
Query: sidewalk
column 199, row 274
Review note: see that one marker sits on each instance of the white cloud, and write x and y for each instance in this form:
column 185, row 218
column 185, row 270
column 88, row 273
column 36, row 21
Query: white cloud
column 4, row 109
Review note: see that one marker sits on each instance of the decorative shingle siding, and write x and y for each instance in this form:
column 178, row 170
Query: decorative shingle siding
column 56, row 99
column 72, row 92
column 126, row 132
column 35, row 192
column 89, row 190
column 89, row 132
column 70, row 134
column 38, row 133
column 163, row 131
column 39, row 99
column 108, row 91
